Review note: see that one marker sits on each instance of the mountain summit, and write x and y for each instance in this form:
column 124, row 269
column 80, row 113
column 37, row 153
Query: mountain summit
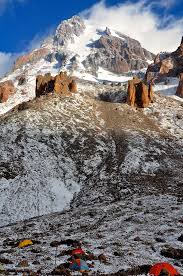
column 80, row 48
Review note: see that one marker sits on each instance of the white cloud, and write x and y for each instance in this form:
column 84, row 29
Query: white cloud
column 167, row 3
column 39, row 38
column 7, row 59
column 4, row 4
column 6, row 62
column 140, row 22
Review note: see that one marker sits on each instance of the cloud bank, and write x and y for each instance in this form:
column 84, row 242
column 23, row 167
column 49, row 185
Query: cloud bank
column 140, row 22
column 136, row 20
column 6, row 62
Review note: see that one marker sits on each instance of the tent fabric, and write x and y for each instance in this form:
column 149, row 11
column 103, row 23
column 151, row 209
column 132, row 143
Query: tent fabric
column 157, row 268
column 78, row 251
column 79, row 265
column 25, row 243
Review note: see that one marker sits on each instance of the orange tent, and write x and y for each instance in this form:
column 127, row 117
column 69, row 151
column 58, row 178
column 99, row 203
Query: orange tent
column 157, row 268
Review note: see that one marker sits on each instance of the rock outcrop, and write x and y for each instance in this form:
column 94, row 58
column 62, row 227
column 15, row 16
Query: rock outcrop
column 6, row 90
column 166, row 65
column 79, row 46
column 139, row 94
column 61, row 84
column 31, row 57
column 117, row 54
column 179, row 91
column 68, row 29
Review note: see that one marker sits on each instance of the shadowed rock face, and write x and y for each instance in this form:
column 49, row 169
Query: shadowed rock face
column 61, row 84
column 166, row 65
column 179, row 91
column 139, row 94
column 6, row 90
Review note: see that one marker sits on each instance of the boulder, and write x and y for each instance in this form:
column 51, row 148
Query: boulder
column 21, row 80
column 6, row 90
column 174, row 253
column 139, row 94
column 179, row 91
column 138, row 270
column 61, row 270
column 23, row 263
column 61, row 84
column 180, row 238
column 102, row 258
column 5, row 261
column 55, row 243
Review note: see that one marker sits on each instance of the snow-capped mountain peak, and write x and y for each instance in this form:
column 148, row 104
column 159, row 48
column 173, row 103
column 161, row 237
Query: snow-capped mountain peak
column 66, row 31
column 82, row 50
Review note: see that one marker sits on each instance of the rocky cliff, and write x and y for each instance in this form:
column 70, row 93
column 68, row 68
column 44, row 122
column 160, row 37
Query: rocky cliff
column 166, row 65
column 7, row 89
column 75, row 45
column 118, row 54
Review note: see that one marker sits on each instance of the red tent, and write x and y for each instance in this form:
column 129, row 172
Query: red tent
column 78, row 251
column 157, row 268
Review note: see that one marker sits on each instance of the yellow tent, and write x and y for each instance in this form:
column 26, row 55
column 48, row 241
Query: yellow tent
column 25, row 243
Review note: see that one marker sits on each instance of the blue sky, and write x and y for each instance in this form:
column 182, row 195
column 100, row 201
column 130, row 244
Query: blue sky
column 22, row 21
column 157, row 24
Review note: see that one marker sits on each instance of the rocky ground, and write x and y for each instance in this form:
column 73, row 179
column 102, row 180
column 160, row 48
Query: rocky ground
column 120, row 167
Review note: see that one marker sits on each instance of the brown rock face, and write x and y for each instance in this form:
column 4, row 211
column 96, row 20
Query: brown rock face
column 142, row 95
column 179, row 91
column 6, row 90
column 139, row 94
column 61, row 84
column 117, row 54
column 23, row 263
column 31, row 57
column 166, row 65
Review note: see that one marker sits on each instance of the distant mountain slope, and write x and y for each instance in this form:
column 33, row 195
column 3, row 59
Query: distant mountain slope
column 55, row 148
column 83, row 51
column 125, row 166
column 166, row 65
column 76, row 45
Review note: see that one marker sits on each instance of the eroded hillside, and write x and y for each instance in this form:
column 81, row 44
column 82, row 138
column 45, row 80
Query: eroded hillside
column 118, row 167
